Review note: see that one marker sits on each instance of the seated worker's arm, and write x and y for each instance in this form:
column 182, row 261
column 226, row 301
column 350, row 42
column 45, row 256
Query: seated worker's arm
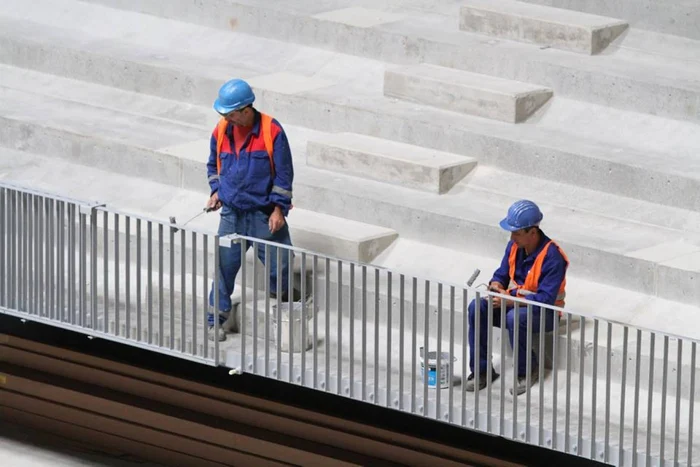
column 552, row 275
column 212, row 172
column 281, row 194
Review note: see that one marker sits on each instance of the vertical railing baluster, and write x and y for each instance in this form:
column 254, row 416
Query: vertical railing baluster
column 305, row 320
column 127, row 275
column 465, row 353
column 388, row 337
column 477, row 355
column 594, row 391
column 94, row 322
column 414, row 340
column 650, row 398
column 83, row 270
column 438, row 355
column 623, row 384
column 183, row 291
column 244, row 297
column 664, row 387
column 541, row 365
column 3, row 247
column 193, row 246
column 691, row 402
column 327, row 296
column 504, row 339
column 635, row 414
column 268, row 318
column 216, row 276
column 72, row 226
column 489, row 364
column 450, row 376
column 567, row 423
column 608, row 346
column 278, row 336
column 352, row 329
column 339, row 312
column 161, row 307
column 254, row 320
column 426, row 349
column 679, row 372
column 139, row 324
column 528, row 366
column 117, row 272
column 376, row 336
column 171, row 271
column 516, row 351
column 581, row 365
column 314, row 283
column 292, row 317
column 105, row 267
column 149, row 283
column 206, row 307
column 402, row 330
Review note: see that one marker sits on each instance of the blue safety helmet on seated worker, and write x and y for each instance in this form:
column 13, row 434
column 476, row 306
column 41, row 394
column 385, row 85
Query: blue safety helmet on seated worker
column 233, row 95
column 521, row 215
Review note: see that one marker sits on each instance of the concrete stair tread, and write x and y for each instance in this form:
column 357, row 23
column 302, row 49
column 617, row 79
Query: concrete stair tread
column 388, row 161
column 465, row 92
column 565, row 29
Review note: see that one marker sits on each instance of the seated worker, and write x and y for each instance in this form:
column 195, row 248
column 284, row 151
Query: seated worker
column 533, row 267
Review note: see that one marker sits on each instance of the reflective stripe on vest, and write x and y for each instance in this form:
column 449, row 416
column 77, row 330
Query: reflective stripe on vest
column 265, row 127
column 532, row 279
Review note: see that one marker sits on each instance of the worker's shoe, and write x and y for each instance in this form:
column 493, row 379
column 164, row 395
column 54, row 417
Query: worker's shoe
column 522, row 386
column 471, row 380
column 224, row 317
column 232, row 324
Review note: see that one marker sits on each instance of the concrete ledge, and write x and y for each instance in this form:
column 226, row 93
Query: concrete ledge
column 470, row 93
column 562, row 29
column 388, row 161
column 338, row 237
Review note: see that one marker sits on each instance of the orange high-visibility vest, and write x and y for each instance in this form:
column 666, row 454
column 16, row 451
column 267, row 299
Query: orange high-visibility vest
column 532, row 279
column 265, row 127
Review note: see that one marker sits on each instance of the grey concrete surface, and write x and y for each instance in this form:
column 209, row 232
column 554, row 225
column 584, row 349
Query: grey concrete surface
column 469, row 93
column 559, row 28
column 649, row 82
column 671, row 17
column 387, row 161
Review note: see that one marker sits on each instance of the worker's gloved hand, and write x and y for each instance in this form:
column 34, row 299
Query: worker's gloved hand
column 276, row 220
column 214, row 204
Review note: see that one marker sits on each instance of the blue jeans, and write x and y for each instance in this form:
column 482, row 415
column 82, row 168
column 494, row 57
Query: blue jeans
column 250, row 224
column 549, row 318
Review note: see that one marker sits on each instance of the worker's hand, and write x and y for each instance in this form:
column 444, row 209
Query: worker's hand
column 214, row 204
column 497, row 287
column 276, row 220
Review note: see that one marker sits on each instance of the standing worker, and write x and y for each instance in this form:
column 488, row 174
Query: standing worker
column 533, row 267
column 250, row 174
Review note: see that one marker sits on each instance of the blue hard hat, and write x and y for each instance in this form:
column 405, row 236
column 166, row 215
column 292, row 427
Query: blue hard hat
column 233, row 95
column 521, row 215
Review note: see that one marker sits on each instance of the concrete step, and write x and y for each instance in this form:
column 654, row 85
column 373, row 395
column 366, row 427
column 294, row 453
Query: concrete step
column 469, row 93
column 677, row 18
column 388, row 161
column 428, row 33
column 542, row 25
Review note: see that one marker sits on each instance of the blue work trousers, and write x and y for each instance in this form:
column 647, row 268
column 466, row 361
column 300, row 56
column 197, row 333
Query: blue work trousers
column 250, row 224
column 549, row 319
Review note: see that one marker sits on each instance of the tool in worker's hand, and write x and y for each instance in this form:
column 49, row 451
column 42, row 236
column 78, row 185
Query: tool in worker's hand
column 473, row 277
column 174, row 221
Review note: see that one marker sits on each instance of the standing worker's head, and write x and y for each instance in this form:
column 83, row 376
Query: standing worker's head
column 235, row 103
column 522, row 221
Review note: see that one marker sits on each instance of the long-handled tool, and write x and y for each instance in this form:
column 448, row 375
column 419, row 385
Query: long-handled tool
column 174, row 221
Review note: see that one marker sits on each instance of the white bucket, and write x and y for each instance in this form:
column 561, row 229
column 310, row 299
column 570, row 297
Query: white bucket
column 445, row 362
column 297, row 327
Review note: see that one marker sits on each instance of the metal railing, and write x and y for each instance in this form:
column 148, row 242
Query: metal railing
column 605, row 390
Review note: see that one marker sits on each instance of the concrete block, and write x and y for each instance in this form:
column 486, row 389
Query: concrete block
column 338, row 237
column 670, row 16
column 554, row 27
column 388, row 161
column 469, row 93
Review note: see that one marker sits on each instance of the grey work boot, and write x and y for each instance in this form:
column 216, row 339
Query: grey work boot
column 224, row 317
column 471, row 380
column 233, row 322
column 522, row 387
